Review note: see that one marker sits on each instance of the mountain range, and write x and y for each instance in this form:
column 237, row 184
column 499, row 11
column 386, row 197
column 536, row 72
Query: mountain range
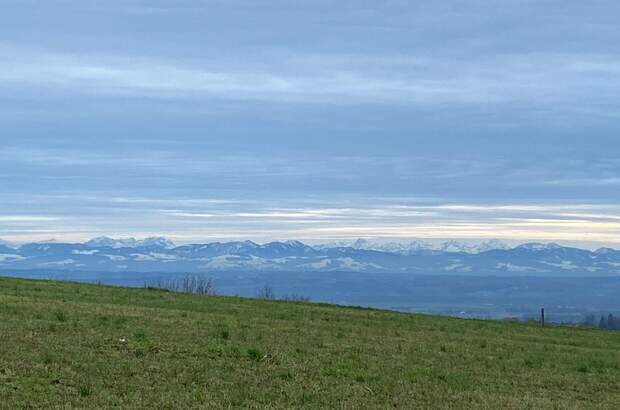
column 161, row 255
column 413, row 247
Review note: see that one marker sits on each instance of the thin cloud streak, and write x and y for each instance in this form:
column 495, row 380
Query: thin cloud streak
column 512, row 222
column 544, row 78
column 26, row 218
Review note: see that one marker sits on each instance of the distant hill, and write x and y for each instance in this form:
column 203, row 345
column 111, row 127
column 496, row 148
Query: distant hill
column 88, row 346
column 161, row 255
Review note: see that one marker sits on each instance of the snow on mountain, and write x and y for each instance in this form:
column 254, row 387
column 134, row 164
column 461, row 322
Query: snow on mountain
column 157, row 242
column 6, row 250
column 536, row 246
column 6, row 244
column 490, row 245
column 106, row 242
column 404, row 248
column 416, row 246
column 606, row 251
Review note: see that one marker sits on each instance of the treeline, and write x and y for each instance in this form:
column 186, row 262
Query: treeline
column 200, row 285
column 267, row 292
column 197, row 285
column 609, row 322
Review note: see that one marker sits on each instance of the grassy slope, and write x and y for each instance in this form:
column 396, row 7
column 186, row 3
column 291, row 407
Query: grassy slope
column 86, row 346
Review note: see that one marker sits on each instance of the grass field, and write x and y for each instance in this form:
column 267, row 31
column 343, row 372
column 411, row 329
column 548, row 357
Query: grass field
column 67, row 345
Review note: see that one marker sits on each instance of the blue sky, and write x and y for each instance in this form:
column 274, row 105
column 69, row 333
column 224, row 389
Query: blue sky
column 314, row 120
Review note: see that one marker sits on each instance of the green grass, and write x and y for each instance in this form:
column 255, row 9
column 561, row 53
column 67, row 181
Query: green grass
column 67, row 345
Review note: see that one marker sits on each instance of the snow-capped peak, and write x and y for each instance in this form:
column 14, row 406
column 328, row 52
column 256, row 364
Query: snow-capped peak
column 605, row 251
column 158, row 241
column 104, row 241
column 295, row 244
column 537, row 246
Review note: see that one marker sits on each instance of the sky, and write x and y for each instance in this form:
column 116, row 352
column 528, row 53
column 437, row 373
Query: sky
column 312, row 120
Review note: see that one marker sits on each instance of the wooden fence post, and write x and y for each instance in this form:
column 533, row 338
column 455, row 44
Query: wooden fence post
column 542, row 317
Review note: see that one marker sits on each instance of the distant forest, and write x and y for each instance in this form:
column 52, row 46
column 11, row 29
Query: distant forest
column 609, row 322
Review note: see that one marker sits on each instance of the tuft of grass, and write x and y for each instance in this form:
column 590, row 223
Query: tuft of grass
column 286, row 375
column 225, row 334
column 85, row 390
column 583, row 368
column 46, row 358
column 255, row 354
column 140, row 336
column 60, row 316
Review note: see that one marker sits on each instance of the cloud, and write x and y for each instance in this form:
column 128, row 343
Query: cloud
column 600, row 181
column 537, row 78
column 199, row 220
column 26, row 218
